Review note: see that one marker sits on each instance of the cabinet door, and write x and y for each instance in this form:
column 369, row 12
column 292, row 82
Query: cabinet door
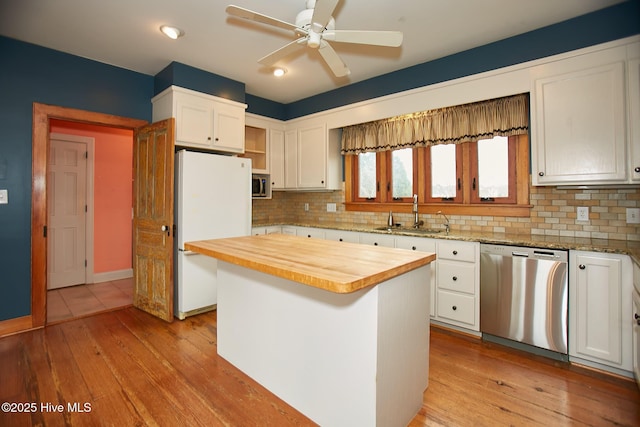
column 194, row 122
column 312, row 157
column 595, row 308
column 378, row 240
column 579, row 123
column 228, row 128
column 291, row 159
column 276, row 158
column 634, row 117
column 636, row 336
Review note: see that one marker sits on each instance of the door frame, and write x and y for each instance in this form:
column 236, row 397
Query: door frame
column 40, row 152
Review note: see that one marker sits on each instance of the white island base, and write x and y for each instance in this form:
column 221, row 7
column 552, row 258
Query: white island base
column 342, row 359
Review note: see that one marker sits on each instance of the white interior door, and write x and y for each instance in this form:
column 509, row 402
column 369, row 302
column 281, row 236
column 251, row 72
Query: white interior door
column 67, row 204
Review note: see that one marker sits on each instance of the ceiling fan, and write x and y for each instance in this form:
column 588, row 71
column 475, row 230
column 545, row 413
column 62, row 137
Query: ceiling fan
column 315, row 27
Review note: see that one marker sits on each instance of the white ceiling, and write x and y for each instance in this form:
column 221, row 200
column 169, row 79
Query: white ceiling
column 126, row 33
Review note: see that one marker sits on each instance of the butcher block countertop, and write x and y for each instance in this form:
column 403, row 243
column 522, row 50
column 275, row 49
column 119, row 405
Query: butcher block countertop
column 338, row 267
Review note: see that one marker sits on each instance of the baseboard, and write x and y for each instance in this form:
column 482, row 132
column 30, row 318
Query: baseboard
column 108, row 276
column 13, row 326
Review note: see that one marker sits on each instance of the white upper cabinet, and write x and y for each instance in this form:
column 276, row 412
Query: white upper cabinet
column 633, row 76
column 202, row 121
column 306, row 157
column 578, row 120
column 312, row 155
column 582, row 117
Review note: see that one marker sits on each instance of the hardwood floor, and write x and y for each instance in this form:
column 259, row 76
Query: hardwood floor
column 133, row 369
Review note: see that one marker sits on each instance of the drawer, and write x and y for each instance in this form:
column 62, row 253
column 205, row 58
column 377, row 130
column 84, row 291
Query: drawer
column 416, row 244
column 456, row 307
column 457, row 276
column 457, row 251
column 378, row 240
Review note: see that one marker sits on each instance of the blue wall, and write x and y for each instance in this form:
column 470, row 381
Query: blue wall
column 34, row 74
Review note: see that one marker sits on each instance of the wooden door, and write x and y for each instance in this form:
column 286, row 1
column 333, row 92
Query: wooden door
column 67, row 189
column 153, row 153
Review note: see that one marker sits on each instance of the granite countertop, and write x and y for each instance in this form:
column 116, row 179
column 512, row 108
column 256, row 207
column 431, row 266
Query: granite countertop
column 325, row 264
column 623, row 247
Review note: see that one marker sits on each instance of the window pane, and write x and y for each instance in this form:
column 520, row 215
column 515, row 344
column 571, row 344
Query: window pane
column 493, row 167
column 367, row 175
column 402, row 173
column 443, row 171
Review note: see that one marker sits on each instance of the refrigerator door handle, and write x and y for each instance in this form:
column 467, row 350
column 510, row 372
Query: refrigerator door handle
column 188, row 253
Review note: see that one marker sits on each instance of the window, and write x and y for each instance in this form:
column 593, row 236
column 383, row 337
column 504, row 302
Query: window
column 485, row 177
column 386, row 177
column 443, row 173
column 401, row 177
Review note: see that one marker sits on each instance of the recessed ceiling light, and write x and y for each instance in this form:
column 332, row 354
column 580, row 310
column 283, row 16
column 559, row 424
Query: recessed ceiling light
column 172, row 32
column 279, row 72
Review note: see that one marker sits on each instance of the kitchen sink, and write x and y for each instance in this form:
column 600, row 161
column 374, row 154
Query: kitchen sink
column 409, row 230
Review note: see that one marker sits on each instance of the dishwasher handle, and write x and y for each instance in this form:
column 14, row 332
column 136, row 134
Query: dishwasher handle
column 520, row 254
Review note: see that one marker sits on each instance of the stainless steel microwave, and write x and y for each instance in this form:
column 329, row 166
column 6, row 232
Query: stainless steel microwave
column 260, row 186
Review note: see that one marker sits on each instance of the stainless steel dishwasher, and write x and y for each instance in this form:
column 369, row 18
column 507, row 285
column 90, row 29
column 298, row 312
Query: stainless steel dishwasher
column 523, row 298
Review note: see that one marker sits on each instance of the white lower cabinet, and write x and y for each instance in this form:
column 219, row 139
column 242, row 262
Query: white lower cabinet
column 458, row 284
column 424, row 245
column 271, row 229
column 600, row 311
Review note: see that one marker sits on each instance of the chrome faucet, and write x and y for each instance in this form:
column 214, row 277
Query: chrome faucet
column 446, row 224
column 416, row 221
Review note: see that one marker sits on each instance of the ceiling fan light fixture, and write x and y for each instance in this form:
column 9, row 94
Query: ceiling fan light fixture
column 171, row 32
column 279, row 72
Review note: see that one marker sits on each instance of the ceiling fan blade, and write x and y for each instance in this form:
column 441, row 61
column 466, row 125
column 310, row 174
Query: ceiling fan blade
column 376, row 38
column 243, row 13
column 333, row 60
column 322, row 14
column 284, row 51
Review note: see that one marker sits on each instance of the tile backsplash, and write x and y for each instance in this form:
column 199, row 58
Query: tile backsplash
column 553, row 213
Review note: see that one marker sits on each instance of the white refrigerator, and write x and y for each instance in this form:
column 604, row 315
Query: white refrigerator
column 212, row 200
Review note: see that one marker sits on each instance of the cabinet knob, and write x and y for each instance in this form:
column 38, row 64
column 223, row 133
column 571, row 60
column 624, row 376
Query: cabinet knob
column 455, row 278
column 217, row 139
column 340, row 239
column 636, row 169
column 636, row 316
column 309, row 235
column 413, row 248
column 375, row 243
column 455, row 252
column 454, row 308
column 540, row 173
column 208, row 138
column 582, row 266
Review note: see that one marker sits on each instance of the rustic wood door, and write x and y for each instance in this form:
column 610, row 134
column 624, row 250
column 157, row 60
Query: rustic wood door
column 153, row 154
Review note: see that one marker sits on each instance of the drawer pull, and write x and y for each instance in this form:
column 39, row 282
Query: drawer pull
column 455, row 252
column 455, row 278
column 582, row 266
column 413, row 248
column 454, row 308
column 375, row 243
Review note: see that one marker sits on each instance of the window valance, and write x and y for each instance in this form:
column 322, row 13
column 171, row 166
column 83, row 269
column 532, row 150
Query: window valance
column 451, row 125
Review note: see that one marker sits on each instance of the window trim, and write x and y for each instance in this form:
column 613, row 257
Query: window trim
column 521, row 207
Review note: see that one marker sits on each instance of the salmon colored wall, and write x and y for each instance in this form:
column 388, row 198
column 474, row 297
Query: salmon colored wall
column 113, row 199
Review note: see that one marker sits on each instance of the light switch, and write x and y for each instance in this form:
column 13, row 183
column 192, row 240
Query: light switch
column 4, row 197
column 633, row 215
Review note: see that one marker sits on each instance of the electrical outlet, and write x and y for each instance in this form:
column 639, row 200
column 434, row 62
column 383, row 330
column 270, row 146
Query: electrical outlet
column 4, row 197
column 633, row 215
column 331, row 207
column 306, row 207
column 582, row 213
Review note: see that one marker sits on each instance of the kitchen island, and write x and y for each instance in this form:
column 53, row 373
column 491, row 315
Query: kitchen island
column 338, row 330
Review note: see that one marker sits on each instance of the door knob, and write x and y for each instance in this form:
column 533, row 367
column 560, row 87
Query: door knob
column 166, row 228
